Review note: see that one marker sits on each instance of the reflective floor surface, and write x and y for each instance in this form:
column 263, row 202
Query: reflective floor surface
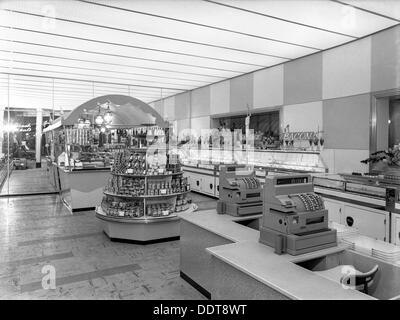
column 38, row 235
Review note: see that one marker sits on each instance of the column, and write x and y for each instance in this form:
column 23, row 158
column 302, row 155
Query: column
column 39, row 120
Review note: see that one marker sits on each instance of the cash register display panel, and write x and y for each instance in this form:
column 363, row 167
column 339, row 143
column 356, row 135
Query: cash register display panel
column 283, row 181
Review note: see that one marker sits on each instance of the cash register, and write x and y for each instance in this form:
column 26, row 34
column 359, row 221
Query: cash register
column 294, row 217
column 240, row 192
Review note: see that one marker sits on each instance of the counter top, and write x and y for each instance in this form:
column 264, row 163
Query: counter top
column 222, row 224
column 282, row 274
column 277, row 271
column 78, row 170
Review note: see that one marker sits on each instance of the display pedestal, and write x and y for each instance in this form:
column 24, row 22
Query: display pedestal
column 142, row 230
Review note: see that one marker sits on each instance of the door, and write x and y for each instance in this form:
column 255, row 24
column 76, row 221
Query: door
column 369, row 222
column 335, row 209
column 208, row 185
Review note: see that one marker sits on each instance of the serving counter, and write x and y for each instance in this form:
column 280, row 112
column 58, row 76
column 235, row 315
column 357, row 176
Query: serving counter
column 353, row 204
column 202, row 165
column 222, row 258
column 82, row 189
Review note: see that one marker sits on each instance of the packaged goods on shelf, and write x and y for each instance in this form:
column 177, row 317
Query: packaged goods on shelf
column 126, row 186
column 122, row 208
column 145, row 184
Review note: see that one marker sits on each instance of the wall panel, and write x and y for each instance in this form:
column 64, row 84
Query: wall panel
column 169, row 108
column 200, row 123
column 158, row 106
column 302, row 80
column 302, row 117
column 219, row 97
column 182, row 106
column 385, row 60
column 346, row 122
column 268, row 87
column 241, row 93
column 347, row 69
column 200, row 102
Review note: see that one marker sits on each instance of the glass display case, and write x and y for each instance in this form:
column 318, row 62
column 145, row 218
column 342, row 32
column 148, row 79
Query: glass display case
column 351, row 184
column 270, row 160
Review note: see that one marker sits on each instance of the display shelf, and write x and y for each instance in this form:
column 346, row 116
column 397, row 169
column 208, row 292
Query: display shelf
column 136, row 205
column 148, row 176
column 145, row 219
column 146, row 196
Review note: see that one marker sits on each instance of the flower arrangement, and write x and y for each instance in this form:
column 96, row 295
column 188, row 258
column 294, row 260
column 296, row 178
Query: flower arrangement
column 390, row 156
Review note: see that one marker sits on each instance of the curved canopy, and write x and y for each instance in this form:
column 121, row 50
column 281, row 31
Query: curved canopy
column 127, row 112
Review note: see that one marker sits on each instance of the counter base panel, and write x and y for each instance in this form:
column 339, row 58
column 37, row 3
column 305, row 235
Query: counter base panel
column 195, row 285
column 195, row 260
column 142, row 233
column 233, row 284
column 82, row 190
column 143, row 242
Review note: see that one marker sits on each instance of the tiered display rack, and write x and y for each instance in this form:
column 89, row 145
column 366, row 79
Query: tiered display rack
column 142, row 200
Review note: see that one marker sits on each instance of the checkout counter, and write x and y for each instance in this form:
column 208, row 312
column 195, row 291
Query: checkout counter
column 232, row 257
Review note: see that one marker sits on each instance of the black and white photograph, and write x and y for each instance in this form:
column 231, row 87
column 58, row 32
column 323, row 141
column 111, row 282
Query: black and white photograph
column 198, row 156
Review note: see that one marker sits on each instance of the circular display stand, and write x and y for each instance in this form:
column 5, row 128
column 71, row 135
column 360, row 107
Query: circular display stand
column 143, row 230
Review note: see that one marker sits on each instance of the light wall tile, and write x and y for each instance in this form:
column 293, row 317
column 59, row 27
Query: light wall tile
column 182, row 106
column 347, row 69
column 169, row 108
column 158, row 106
column 200, row 123
column 385, row 60
column 302, row 117
column 268, row 87
column 345, row 160
column 219, row 97
column 241, row 93
column 200, row 102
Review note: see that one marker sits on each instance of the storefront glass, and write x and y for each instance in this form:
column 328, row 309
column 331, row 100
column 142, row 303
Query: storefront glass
column 23, row 152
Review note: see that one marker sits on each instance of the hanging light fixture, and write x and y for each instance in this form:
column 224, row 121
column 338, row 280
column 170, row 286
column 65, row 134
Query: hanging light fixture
column 81, row 123
column 99, row 118
column 108, row 117
column 103, row 129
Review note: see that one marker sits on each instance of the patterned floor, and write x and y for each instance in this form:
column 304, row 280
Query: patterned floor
column 26, row 182
column 38, row 231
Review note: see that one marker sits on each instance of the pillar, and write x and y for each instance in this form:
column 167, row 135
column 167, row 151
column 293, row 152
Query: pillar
column 39, row 120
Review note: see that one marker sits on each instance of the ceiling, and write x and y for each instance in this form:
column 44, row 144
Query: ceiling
column 62, row 53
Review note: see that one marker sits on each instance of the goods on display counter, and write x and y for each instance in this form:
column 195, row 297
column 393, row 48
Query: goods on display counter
column 146, row 189
column 81, row 148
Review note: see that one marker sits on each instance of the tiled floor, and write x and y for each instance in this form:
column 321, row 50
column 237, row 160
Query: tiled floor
column 27, row 181
column 36, row 231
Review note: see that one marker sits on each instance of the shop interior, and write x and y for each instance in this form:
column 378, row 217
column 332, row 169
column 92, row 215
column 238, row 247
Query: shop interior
column 155, row 151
